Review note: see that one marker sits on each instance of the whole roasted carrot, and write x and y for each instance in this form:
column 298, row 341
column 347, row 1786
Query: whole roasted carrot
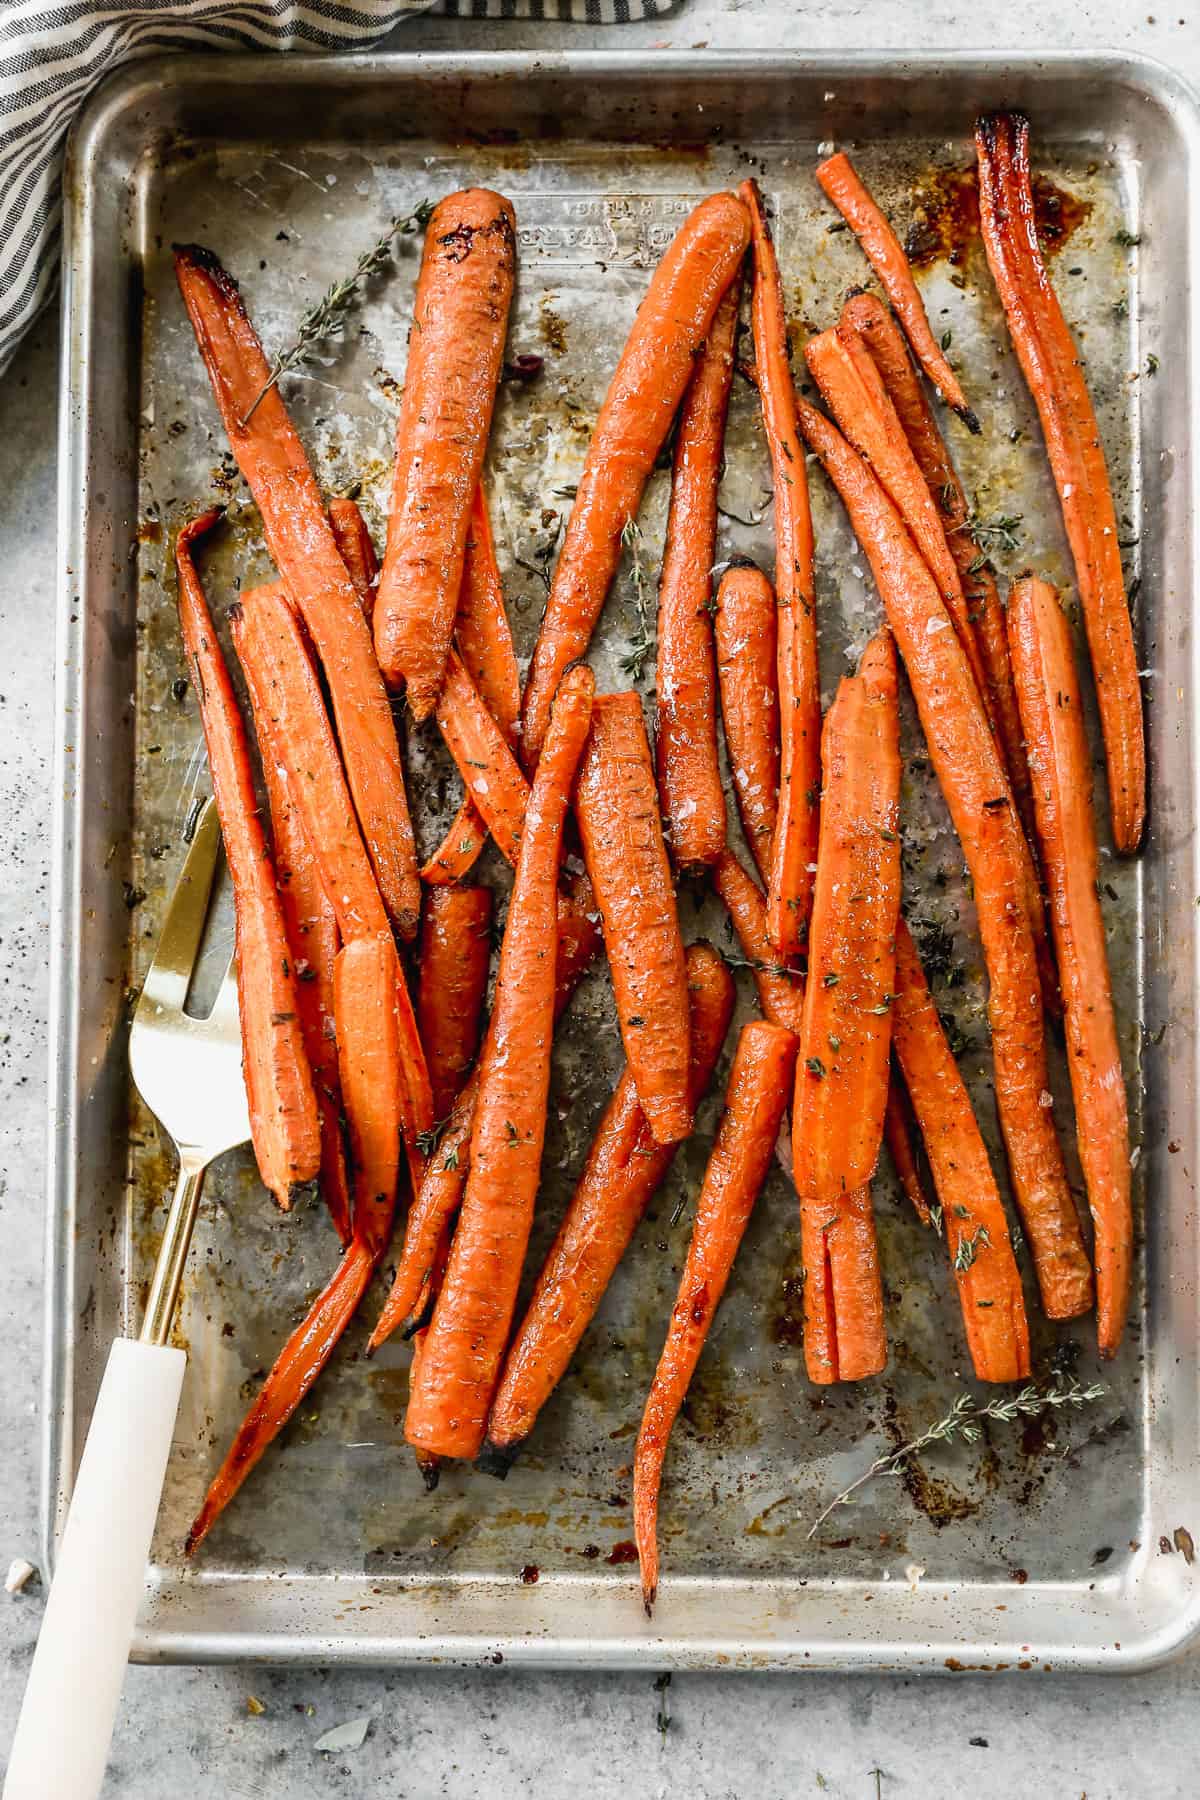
column 794, row 844
column 356, row 550
column 452, row 985
column 689, row 774
column 440, row 1193
column 455, row 352
column 780, row 986
column 284, row 1126
column 656, row 364
column 369, row 1058
column 842, row 185
column 460, row 1359
column 488, row 767
column 754, row 1101
column 746, row 669
column 271, row 457
column 898, row 1138
column 1052, row 713
column 1053, row 369
column 972, row 779
column 616, row 804
column 624, row 1169
column 981, row 1254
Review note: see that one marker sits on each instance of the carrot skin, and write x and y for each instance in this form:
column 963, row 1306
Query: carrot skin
column 780, row 986
column 272, row 459
column 284, row 1124
column 455, row 352
column 452, row 986
column 616, row 804
column 624, row 1169
column 356, row 550
column 759, row 1083
column 689, row 774
column 794, row 845
column 977, row 1235
column 485, row 762
column 843, row 186
column 654, row 369
column 898, row 1138
column 1052, row 712
column 460, row 1359
column 747, row 649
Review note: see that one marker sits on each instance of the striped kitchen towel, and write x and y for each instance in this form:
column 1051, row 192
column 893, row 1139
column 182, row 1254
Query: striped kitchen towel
column 53, row 53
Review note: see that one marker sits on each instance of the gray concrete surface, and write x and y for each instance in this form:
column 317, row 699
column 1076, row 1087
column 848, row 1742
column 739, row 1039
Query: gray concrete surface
column 501, row 1732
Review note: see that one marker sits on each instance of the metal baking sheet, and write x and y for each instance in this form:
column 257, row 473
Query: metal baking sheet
column 1066, row 1545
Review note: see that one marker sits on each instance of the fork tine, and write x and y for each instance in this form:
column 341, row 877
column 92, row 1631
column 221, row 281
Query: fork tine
column 167, row 978
column 224, row 1014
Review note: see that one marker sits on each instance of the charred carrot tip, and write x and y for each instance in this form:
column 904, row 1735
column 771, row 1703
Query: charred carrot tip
column 497, row 1459
column 970, row 419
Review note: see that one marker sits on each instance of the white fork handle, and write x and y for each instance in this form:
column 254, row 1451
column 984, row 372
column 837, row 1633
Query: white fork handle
column 70, row 1703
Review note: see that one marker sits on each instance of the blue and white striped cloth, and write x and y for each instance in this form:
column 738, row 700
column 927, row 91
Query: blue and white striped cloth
column 54, row 52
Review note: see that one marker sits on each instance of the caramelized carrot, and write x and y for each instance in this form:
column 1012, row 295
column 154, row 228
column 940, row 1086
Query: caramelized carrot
column 284, row 1126
column 754, row 1103
column 746, row 668
column 460, row 1359
column 455, row 352
column 689, row 774
column 356, row 550
column 369, row 1058
column 271, row 457
column 972, row 779
column 842, row 185
column 616, row 804
column 780, row 986
column 898, row 1138
column 452, row 986
column 1053, row 370
column 675, row 317
column 624, row 1169
column 981, row 1253
column 1052, row 713
column 794, row 845
column 485, row 762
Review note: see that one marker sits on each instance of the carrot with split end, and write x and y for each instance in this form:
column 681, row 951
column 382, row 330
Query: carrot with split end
column 689, row 773
column 271, row 457
column 284, row 1125
column 780, row 987
column 460, row 1359
column 452, row 986
column 971, row 776
column 746, row 640
column 977, row 1238
column 754, row 1101
column 488, row 767
column 369, row 1059
column 624, row 1169
column 616, row 804
column 842, row 185
column 898, row 1138
column 1053, row 370
column 674, row 318
column 1052, row 712
column 356, row 550
column 794, row 844
column 455, row 353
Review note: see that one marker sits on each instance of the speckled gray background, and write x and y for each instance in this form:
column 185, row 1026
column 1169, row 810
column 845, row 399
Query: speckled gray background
column 507, row 1733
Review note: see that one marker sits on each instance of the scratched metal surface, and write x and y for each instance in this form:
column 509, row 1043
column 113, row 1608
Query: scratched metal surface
column 333, row 1548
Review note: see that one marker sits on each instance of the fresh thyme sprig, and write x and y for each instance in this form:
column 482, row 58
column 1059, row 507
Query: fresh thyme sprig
column 642, row 643
column 963, row 1421
column 1003, row 533
column 327, row 317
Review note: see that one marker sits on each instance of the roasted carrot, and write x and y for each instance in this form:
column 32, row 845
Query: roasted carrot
column 656, row 363
column 460, row 1359
column 369, row 1058
column 898, row 1138
column 1052, row 714
column 794, row 844
column 1054, row 372
column 967, row 764
column 746, row 669
column 843, row 186
column 780, row 986
column 689, row 774
column 488, row 767
column 754, row 1101
column 455, row 352
column 977, row 1238
column 440, row 1193
column 356, row 550
column 284, row 1125
column 271, row 457
column 452, row 986
column 868, row 316
column 624, row 1169
column 616, row 804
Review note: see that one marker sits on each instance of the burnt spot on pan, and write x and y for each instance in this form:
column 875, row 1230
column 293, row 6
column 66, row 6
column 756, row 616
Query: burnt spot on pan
column 946, row 219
